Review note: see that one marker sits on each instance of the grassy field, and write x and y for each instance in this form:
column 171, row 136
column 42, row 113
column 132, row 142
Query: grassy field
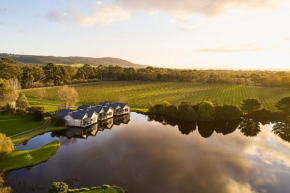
column 20, row 159
column 14, row 124
column 138, row 94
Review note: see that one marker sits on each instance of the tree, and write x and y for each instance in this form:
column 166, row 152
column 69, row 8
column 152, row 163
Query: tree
column 284, row 105
column 282, row 129
column 9, row 69
column 22, row 102
column 58, row 187
column 250, row 105
column 2, row 188
column 6, row 145
column 68, row 96
column 227, row 112
column 186, row 112
column 206, row 111
column 53, row 73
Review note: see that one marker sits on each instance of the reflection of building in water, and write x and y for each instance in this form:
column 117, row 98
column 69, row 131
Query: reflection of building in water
column 77, row 132
column 125, row 119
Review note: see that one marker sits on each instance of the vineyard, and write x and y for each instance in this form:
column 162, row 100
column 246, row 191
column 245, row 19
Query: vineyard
column 139, row 94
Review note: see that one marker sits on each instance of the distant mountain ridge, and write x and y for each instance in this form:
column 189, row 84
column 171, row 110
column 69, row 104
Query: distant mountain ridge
column 42, row 60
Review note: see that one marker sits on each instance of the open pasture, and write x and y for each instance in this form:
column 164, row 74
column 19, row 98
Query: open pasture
column 139, row 94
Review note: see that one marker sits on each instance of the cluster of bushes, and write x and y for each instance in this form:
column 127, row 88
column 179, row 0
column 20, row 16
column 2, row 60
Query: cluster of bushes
column 57, row 121
column 204, row 111
column 207, row 111
column 61, row 187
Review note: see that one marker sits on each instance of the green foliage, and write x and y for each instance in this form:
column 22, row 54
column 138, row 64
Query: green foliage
column 264, row 113
column 186, row 112
column 250, row 105
column 18, row 159
column 4, row 189
column 58, row 121
column 227, row 112
column 172, row 111
column 284, row 105
column 22, row 102
column 6, row 145
column 206, row 111
column 9, row 69
column 58, row 187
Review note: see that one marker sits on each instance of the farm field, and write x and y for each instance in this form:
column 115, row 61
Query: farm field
column 138, row 94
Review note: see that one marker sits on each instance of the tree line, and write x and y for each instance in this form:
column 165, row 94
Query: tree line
column 207, row 111
column 53, row 74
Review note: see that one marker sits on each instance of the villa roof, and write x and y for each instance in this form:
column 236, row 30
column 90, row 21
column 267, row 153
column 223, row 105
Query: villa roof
column 84, row 107
column 114, row 105
column 78, row 114
column 62, row 113
column 98, row 108
column 90, row 112
column 106, row 108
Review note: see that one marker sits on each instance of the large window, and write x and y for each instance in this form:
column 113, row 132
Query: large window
column 126, row 110
column 110, row 113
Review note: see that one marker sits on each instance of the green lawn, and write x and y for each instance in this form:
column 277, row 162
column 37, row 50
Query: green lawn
column 14, row 124
column 20, row 159
column 47, row 107
column 139, row 93
column 100, row 189
column 32, row 134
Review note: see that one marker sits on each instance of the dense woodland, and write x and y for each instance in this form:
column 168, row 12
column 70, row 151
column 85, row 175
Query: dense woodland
column 53, row 74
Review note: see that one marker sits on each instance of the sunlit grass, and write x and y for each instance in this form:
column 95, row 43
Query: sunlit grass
column 138, row 94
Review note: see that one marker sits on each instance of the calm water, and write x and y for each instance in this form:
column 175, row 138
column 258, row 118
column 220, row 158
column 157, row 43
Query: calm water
column 157, row 154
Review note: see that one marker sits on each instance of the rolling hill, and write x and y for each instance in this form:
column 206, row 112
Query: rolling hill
column 42, row 60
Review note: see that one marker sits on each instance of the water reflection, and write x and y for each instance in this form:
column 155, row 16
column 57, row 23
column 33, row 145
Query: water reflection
column 167, row 155
column 249, row 127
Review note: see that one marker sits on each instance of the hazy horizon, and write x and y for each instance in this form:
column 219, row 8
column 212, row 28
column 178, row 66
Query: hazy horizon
column 217, row 34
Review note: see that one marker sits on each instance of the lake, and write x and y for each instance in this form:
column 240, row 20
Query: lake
column 160, row 154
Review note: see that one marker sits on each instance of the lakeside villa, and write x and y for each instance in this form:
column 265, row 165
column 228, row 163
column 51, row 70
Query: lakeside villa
column 87, row 115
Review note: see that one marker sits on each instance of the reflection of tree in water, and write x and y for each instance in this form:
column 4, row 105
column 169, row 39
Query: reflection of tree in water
column 282, row 129
column 185, row 127
column 205, row 129
column 249, row 127
column 226, row 127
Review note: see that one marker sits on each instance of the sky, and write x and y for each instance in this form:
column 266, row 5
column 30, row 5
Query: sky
column 195, row 34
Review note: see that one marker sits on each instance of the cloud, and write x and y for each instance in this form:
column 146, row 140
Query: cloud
column 241, row 48
column 103, row 14
column 287, row 39
column 185, row 8
column 58, row 17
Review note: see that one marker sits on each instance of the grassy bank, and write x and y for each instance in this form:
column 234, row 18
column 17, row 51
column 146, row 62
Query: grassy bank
column 99, row 189
column 32, row 134
column 14, row 124
column 139, row 94
column 20, row 159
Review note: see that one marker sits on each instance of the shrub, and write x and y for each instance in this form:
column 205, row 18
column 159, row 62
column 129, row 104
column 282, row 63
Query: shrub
column 206, row 111
column 264, row 113
column 58, row 121
column 186, row 112
column 227, row 112
column 6, row 145
column 250, row 105
column 58, row 187
column 171, row 111
column 284, row 105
